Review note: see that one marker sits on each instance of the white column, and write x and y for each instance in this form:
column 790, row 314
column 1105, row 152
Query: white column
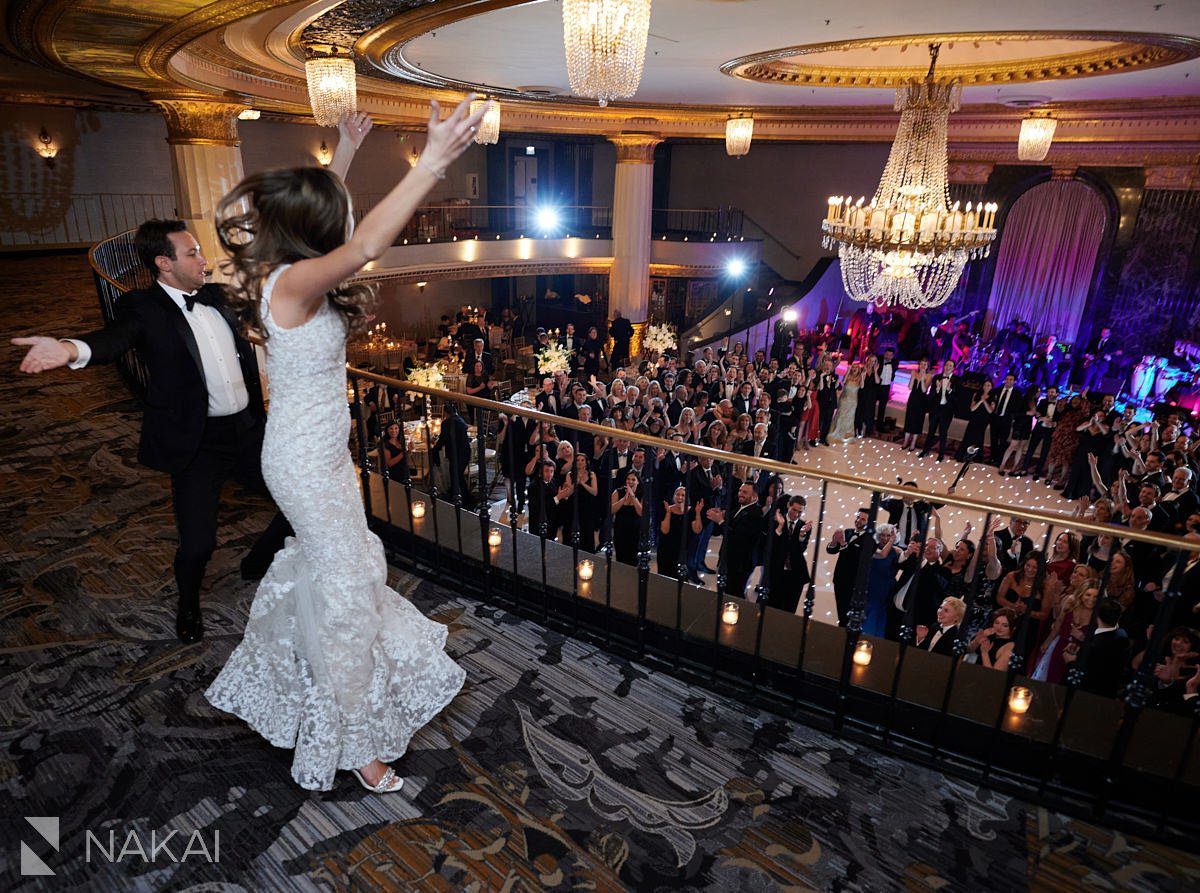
column 206, row 163
column 633, row 193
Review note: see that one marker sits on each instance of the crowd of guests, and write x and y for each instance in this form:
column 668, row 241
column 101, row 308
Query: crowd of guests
column 588, row 489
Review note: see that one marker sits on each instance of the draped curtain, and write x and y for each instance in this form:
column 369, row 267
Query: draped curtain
column 1047, row 254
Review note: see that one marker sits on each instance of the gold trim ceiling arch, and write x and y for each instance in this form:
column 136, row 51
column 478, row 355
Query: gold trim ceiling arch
column 1116, row 87
column 973, row 58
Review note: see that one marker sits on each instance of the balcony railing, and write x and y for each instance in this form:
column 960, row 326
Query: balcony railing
column 1112, row 759
column 461, row 220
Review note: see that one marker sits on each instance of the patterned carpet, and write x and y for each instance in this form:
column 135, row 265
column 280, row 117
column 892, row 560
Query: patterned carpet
column 558, row 767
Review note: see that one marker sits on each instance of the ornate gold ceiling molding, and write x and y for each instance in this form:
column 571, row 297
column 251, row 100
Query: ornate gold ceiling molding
column 1126, row 51
column 1130, row 154
column 1178, row 177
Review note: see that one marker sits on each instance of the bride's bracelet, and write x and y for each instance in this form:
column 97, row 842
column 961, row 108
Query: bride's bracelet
column 441, row 175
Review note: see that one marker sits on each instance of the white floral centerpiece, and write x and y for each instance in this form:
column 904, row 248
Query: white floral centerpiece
column 553, row 358
column 429, row 376
column 660, row 339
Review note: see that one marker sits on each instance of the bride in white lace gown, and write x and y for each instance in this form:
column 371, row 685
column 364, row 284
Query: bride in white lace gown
column 333, row 663
column 843, row 424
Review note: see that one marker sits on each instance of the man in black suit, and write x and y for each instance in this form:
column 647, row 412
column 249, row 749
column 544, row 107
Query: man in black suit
column 1009, row 403
column 1106, row 654
column 941, row 638
column 789, row 559
column 703, row 486
column 943, row 392
column 1181, row 500
column 621, row 331
column 454, row 440
column 475, row 354
column 203, row 419
column 888, row 366
column 923, row 584
column 547, row 399
column 847, row 545
column 907, row 514
column 1043, row 431
column 1012, row 547
column 570, row 342
column 827, row 398
column 742, row 533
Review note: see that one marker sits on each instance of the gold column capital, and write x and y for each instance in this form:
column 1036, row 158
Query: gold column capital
column 200, row 120
column 635, row 148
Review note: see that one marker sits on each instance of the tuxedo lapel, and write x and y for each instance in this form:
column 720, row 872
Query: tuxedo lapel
column 180, row 324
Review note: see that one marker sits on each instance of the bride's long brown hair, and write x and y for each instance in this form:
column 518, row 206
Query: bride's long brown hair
column 279, row 217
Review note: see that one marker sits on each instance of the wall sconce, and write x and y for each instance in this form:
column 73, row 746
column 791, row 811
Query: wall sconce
column 1019, row 699
column 324, row 155
column 862, row 652
column 249, row 115
column 421, row 287
column 46, row 147
column 413, row 157
column 494, row 537
column 730, row 612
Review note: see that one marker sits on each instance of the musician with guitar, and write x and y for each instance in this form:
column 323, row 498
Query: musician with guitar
column 1097, row 359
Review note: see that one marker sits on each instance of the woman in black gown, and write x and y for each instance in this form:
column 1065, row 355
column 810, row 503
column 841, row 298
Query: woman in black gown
column 626, row 506
column 671, row 534
column 980, row 415
column 395, row 453
column 584, row 487
column 914, row 409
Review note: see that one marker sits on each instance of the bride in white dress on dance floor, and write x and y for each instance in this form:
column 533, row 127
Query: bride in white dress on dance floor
column 334, row 663
column 843, row 424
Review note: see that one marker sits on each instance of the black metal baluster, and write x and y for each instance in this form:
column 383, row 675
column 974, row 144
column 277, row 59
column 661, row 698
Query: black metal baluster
column 458, row 475
column 762, row 595
column 643, row 557
column 485, row 520
column 907, row 634
column 360, row 425
column 857, row 613
column 514, row 507
column 810, row 593
column 608, row 560
column 681, row 568
column 433, row 491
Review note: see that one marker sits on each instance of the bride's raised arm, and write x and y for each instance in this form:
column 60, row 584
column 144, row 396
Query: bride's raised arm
column 305, row 284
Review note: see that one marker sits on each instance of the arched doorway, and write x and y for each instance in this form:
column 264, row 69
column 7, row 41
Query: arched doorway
column 1046, row 259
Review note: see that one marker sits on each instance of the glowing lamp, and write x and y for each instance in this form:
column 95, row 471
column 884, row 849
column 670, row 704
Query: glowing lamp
column 586, row 569
column 494, row 537
column 730, row 612
column 418, row 509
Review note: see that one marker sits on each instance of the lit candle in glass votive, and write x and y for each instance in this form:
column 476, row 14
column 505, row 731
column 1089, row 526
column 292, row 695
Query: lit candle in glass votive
column 862, row 652
column 494, row 537
column 586, row 569
column 418, row 509
column 1019, row 699
column 729, row 613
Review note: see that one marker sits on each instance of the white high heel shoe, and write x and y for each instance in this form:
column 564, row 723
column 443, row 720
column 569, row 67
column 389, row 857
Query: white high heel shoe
column 390, row 783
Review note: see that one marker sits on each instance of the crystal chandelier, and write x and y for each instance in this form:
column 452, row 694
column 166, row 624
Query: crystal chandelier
column 489, row 127
column 331, row 85
column 1037, row 133
column 909, row 246
column 605, row 42
column 738, row 133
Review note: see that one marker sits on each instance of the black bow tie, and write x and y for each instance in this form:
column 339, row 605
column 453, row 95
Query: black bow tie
column 193, row 299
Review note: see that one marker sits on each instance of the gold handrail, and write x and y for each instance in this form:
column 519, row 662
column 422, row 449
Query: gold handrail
column 781, row 468
column 91, row 256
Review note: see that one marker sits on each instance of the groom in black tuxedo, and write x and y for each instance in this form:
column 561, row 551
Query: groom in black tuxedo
column 203, row 419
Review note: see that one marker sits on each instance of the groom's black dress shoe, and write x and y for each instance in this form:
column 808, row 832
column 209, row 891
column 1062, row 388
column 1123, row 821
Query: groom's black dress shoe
column 189, row 627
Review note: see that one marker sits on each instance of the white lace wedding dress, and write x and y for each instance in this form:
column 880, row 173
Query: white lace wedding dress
column 334, row 663
column 843, row 425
